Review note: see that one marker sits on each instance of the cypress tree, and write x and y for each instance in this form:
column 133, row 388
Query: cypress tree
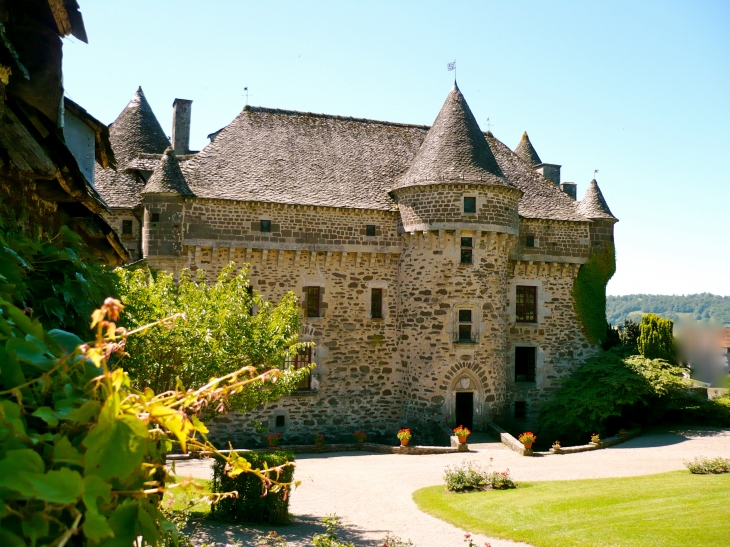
column 656, row 340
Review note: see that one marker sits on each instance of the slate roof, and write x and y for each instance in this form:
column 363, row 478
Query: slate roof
column 527, row 152
column 454, row 150
column 136, row 131
column 593, row 204
column 167, row 177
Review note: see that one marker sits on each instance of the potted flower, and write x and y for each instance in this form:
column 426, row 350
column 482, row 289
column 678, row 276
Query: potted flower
column 360, row 436
column 556, row 446
column 462, row 433
column 595, row 438
column 527, row 438
column 274, row 439
column 404, row 435
column 319, row 439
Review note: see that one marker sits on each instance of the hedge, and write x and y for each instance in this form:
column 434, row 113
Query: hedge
column 253, row 504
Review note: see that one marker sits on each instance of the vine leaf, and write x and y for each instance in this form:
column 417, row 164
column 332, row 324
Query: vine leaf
column 96, row 527
column 62, row 486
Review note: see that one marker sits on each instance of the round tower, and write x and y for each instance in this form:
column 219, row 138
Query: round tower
column 459, row 223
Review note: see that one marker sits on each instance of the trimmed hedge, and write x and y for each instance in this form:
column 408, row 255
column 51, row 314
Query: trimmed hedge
column 253, row 504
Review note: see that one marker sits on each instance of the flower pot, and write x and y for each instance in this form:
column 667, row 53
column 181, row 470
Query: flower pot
column 528, row 446
column 273, row 445
column 462, row 439
column 404, row 442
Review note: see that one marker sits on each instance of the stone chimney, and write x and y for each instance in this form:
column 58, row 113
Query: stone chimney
column 571, row 189
column 550, row 171
column 181, row 126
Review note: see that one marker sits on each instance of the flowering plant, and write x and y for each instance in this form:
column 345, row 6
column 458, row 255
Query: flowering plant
column 360, row 436
column 595, row 438
column 527, row 437
column 556, row 445
column 274, row 439
column 319, row 438
column 404, row 433
column 462, row 431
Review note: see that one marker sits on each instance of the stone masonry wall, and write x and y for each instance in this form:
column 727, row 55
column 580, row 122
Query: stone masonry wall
column 568, row 240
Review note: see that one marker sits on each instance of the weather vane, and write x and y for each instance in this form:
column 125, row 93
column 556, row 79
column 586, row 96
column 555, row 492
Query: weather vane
column 489, row 125
column 452, row 66
column 595, row 171
column 246, row 90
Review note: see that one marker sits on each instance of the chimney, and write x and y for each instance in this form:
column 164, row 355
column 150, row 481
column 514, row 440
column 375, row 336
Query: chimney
column 181, row 126
column 550, row 171
column 571, row 189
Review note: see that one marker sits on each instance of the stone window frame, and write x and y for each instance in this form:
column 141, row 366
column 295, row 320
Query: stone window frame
column 154, row 217
column 383, row 286
column 535, row 241
column 265, row 226
column 308, row 309
column 368, row 230
column 539, row 363
column 127, row 222
column 541, row 297
column 466, row 251
column 463, row 204
column 304, row 357
column 475, row 323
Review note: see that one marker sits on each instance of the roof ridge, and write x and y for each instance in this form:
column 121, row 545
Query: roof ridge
column 249, row 108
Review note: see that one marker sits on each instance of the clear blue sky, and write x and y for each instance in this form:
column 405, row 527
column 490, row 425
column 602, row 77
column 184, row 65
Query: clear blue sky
column 637, row 89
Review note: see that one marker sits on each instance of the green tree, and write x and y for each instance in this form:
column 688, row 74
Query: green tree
column 227, row 326
column 656, row 340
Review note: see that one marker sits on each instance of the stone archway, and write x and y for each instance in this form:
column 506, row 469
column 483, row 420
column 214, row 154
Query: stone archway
column 465, row 387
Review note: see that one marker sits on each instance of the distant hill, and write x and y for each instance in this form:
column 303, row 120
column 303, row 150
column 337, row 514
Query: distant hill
column 701, row 307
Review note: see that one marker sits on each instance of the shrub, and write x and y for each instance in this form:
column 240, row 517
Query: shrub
column 708, row 466
column 469, row 476
column 253, row 504
column 656, row 340
column 395, row 541
column 329, row 538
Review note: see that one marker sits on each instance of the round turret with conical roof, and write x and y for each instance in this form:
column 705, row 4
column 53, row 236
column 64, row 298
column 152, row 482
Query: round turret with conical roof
column 594, row 207
column 458, row 213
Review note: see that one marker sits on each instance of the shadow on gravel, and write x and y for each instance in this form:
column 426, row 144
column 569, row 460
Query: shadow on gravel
column 298, row 534
column 669, row 436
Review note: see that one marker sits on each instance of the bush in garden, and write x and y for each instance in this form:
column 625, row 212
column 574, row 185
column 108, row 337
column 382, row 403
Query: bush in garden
column 656, row 339
column 253, row 504
column 220, row 334
column 329, row 538
column 469, row 476
column 708, row 466
column 82, row 453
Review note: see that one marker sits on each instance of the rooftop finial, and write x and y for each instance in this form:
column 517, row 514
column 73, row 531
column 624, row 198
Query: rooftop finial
column 450, row 67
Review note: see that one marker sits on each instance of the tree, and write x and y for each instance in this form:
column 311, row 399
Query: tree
column 656, row 340
column 227, row 326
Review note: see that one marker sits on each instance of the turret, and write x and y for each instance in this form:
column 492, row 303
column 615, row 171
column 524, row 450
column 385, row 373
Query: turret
column 459, row 221
column 527, row 152
column 594, row 207
column 163, row 199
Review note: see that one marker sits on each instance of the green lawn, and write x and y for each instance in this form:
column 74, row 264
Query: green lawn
column 667, row 510
column 189, row 500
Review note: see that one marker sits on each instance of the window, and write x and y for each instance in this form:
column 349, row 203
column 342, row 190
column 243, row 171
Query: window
column 525, row 364
column 529, row 241
column 126, row 227
column 280, row 421
column 467, row 252
column 370, row 230
column 265, row 226
column 520, row 410
column 301, row 360
column 312, row 294
column 526, row 308
column 376, row 303
column 465, row 326
column 154, row 217
column 470, row 205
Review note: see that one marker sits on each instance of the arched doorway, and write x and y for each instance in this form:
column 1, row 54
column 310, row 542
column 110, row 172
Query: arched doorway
column 466, row 400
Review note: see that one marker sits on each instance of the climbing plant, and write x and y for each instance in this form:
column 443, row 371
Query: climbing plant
column 589, row 292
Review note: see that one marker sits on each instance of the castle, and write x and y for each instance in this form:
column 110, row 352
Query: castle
column 435, row 266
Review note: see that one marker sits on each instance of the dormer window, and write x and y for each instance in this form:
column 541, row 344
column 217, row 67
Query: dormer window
column 470, row 204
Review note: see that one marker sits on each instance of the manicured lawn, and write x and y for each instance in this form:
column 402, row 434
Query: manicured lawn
column 665, row 510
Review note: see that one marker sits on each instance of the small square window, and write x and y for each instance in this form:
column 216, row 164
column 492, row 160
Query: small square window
column 154, row 217
column 370, row 230
column 265, row 226
column 466, row 242
column 529, row 241
column 280, row 421
column 376, row 303
column 127, row 227
column 312, row 303
column 464, row 316
column 470, row 205
column 520, row 410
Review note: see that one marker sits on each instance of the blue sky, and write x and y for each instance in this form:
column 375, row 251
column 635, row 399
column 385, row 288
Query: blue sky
column 638, row 90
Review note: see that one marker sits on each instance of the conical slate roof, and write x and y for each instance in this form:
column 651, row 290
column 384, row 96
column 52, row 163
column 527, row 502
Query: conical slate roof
column 454, row 150
column 136, row 131
column 167, row 177
column 527, row 152
column 593, row 204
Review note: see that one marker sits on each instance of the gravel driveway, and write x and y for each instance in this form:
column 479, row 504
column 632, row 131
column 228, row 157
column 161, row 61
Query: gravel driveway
column 372, row 492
